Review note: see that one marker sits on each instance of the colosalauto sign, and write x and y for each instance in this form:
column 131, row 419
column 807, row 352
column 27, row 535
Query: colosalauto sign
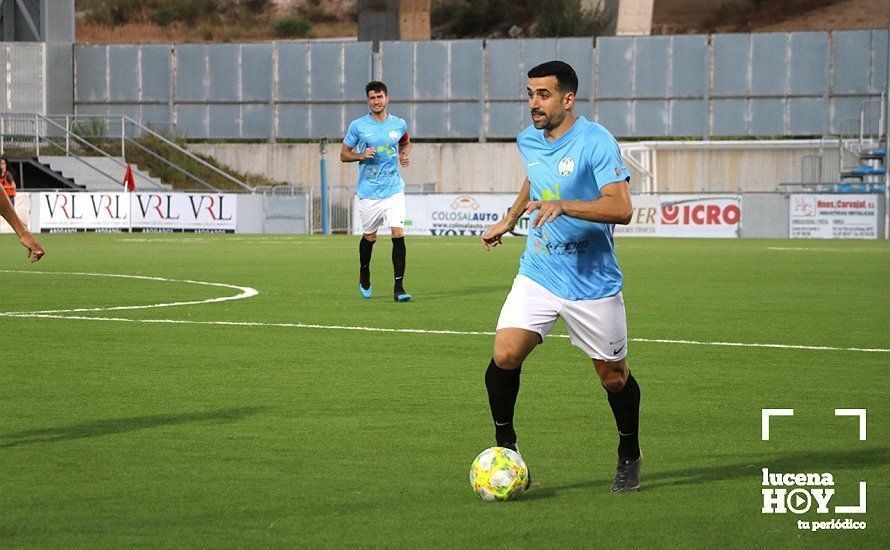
column 142, row 212
column 465, row 214
column 448, row 215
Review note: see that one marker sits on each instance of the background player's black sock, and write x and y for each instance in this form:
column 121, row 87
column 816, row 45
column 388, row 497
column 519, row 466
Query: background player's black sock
column 365, row 248
column 626, row 408
column 503, row 387
column 398, row 262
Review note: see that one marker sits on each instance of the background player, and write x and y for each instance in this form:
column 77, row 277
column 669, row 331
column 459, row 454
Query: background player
column 7, row 180
column 379, row 142
column 575, row 190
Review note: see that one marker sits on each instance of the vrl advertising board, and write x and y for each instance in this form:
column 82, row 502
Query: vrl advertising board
column 139, row 212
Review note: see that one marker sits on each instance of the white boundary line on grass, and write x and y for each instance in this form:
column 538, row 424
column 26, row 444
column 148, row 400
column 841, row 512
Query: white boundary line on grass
column 244, row 292
column 248, row 292
column 426, row 331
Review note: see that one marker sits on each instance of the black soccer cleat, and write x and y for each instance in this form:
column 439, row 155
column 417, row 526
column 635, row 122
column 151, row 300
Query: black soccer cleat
column 515, row 448
column 627, row 476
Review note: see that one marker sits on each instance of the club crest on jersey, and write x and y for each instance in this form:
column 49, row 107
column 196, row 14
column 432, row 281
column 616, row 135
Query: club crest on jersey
column 393, row 135
column 566, row 166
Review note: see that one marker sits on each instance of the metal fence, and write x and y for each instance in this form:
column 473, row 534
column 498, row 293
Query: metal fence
column 23, row 88
column 339, row 199
column 727, row 85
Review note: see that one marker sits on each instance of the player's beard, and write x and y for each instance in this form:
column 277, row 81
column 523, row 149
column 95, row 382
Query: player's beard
column 548, row 123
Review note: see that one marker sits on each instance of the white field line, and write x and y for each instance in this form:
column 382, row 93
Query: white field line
column 247, row 292
column 244, row 292
column 824, row 249
column 426, row 331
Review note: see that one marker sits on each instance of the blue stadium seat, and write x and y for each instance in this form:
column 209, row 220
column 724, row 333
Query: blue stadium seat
column 859, row 188
column 868, row 171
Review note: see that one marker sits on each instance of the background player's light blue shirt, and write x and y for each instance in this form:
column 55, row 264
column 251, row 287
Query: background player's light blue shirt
column 378, row 178
column 572, row 258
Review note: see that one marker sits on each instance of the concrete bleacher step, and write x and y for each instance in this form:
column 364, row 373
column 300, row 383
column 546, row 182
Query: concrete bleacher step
column 88, row 174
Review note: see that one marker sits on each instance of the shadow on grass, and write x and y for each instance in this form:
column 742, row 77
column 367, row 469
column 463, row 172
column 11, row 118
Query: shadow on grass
column 804, row 461
column 111, row 426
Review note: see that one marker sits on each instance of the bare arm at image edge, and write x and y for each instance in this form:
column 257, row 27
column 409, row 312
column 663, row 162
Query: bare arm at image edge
column 35, row 251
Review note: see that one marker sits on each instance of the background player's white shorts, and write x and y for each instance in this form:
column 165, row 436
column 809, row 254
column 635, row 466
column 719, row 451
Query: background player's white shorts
column 596, row 327
column 377, row 213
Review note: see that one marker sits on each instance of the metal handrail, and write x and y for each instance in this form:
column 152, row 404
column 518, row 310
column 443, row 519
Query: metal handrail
column 93, row 147
column 138, row 127
column 36, row 118
column 79, row 159
column 188, row 153
column 170, row 164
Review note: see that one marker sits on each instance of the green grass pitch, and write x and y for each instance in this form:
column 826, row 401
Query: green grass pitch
column 266, row 434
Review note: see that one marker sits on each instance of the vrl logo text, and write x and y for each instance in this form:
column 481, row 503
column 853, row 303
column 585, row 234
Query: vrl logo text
column 801, row 492
column 162, row 206
column 113, row 206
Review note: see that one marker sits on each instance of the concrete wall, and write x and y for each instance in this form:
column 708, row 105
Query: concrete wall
column 733, row 166
column 497, row 167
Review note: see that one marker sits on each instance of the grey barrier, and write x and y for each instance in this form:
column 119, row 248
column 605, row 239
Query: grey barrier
column 726, row 85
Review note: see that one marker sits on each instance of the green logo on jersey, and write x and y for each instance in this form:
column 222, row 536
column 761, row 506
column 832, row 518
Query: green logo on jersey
column 390, row 150
column 550, row 194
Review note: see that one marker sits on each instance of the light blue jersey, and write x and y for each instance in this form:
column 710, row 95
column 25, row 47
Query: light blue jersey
column 378, row 177
column 572, row 258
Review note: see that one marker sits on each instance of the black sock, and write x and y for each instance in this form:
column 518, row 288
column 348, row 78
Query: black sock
column 398, row 263
column 503, row 387
column 626, row 408
column 365, row 248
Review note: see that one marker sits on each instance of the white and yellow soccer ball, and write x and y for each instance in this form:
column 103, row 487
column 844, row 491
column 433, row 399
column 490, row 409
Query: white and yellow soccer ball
column 498, row 473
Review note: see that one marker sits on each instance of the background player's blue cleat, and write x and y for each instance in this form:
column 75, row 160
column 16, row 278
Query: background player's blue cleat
column 365, row 293
column 401, row 296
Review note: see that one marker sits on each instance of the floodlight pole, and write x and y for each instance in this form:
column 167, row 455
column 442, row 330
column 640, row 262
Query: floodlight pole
column 325, row 224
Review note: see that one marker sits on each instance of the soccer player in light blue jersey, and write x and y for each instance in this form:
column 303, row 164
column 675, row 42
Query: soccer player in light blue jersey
column 575, row 191
column 379, row 142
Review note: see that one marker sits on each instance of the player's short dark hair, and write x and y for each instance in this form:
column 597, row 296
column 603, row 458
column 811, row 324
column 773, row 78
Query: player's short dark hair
column 376, row 86
column 566, row 79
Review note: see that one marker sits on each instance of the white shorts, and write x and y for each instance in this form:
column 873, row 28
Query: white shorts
column 596, row 327
column 377, row 213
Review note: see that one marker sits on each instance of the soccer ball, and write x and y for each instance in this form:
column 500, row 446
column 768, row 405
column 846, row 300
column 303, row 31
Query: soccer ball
column 498, row 473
